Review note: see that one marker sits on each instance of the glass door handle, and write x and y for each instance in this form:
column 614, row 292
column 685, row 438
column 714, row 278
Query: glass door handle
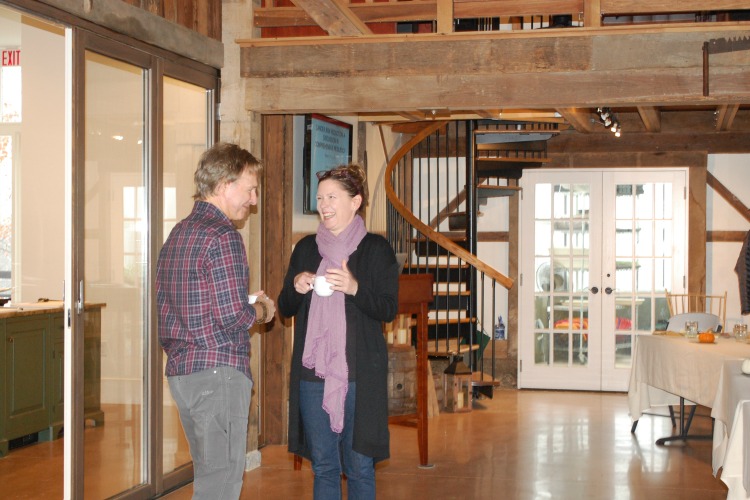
column 608, row 290
column 594, row 290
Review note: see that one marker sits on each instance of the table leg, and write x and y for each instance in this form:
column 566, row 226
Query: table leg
column 685, row 428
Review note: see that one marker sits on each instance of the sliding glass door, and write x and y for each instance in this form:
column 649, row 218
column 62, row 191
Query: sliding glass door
column 187, row 132
column 143, row 124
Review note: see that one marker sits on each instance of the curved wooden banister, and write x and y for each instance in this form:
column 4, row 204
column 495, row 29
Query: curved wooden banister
column 423, row 228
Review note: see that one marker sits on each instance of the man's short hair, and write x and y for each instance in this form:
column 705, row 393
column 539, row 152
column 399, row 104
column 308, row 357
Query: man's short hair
column 223, row 162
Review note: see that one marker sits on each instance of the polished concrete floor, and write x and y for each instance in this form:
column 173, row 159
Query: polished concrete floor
column 524, row 445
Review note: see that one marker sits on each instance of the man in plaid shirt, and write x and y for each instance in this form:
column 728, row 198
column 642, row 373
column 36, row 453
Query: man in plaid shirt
column 204, row 316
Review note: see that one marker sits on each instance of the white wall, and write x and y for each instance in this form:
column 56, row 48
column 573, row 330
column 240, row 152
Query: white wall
column 732, row 171
column 39, row 226
column 378, row 152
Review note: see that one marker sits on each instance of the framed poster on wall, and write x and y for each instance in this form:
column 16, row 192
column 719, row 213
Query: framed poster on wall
column 328, row 144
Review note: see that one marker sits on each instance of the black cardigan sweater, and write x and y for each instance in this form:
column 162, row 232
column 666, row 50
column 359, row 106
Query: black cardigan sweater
column 374, row 266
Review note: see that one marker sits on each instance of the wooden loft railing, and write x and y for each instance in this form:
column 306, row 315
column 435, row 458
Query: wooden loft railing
column 440, row 16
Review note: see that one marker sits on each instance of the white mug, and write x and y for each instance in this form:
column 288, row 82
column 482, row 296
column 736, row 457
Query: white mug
column 322, row 287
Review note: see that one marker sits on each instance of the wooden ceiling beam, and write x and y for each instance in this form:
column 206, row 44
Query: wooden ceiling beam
column 651, row 118
column 334, row 16
column 579, row 119
column 725, row 116
column 654, row 68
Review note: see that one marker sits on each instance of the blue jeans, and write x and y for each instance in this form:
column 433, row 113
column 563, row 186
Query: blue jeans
column 214, row 406
column 330, row 449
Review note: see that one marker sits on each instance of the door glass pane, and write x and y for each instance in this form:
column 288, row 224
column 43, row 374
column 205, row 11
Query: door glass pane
column 185, row 138
column 562, row 274
column 643, row 229
column 116, row 230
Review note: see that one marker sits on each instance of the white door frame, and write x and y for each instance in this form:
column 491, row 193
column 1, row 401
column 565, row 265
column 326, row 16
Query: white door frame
column 593, row 376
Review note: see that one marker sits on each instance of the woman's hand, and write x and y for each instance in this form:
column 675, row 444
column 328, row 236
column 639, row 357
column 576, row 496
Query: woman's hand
column 303, row 282
column 342, row 280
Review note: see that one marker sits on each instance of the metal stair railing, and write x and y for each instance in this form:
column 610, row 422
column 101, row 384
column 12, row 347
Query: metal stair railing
column 426, row 181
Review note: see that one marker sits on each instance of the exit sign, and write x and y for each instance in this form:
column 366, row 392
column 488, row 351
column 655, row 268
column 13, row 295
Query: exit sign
column 11, row 57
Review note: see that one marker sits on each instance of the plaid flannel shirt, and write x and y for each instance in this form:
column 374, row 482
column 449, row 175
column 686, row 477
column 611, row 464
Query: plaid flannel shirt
column 201, row 291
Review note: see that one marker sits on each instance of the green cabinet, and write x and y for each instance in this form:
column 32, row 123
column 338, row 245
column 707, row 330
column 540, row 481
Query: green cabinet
column 26, row 377
column 32, row 351
column 56, row 377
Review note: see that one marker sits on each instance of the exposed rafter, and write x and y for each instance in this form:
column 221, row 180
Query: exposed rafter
column 725, row 116
column 651, row 118
column 334, row 16
column 579, row 118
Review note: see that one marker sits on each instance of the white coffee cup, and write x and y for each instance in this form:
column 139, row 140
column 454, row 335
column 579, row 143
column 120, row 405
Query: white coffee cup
column 252, row 298
column 322, row 287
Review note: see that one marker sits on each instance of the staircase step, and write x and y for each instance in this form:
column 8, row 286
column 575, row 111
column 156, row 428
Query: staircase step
column 457, row 221
column 423, row 246
column 453, row 317
column 485, row 191
column 507, row 168
column 484, row 383
column 435, row 261
column 450, row 347
column 483, row 379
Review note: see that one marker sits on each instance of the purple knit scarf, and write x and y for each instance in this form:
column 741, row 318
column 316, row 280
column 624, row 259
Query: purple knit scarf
column 325, row 344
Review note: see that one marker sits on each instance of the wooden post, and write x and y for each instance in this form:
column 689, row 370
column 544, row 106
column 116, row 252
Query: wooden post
column 592, row 13
column 445, row 16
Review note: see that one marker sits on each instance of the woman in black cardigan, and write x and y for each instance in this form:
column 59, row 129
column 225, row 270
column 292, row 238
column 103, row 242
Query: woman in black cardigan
column 338, row 401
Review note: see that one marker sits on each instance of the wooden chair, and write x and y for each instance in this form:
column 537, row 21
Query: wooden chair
column 680, row 303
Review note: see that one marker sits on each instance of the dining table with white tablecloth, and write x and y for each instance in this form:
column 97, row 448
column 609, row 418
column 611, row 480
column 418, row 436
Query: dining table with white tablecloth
column 669, row 367
column 731, row 412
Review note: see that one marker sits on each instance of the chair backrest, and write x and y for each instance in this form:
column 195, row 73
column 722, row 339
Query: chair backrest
column 681, row 303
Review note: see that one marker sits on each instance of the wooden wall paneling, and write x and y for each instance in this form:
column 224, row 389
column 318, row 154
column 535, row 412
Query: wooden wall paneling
column 186, row 14
column 214, row 25
column 696, row 250
column 169, row 9
column 277, row 247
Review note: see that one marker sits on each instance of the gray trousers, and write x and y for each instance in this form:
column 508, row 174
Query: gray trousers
column 214, row 406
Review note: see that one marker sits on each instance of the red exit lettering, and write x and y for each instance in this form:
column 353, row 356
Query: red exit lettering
column 11, row 57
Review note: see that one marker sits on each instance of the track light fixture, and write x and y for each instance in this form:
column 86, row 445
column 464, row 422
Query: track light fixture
column 609, row 120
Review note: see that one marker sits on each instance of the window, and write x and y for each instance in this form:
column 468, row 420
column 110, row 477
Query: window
column 10, row 117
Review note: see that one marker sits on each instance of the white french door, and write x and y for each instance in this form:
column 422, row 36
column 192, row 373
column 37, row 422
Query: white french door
column 598, row 250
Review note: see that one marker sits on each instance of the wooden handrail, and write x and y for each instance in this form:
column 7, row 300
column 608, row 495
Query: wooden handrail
column 423, row 228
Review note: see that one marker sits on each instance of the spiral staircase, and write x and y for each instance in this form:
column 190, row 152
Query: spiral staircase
column 436, row 186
